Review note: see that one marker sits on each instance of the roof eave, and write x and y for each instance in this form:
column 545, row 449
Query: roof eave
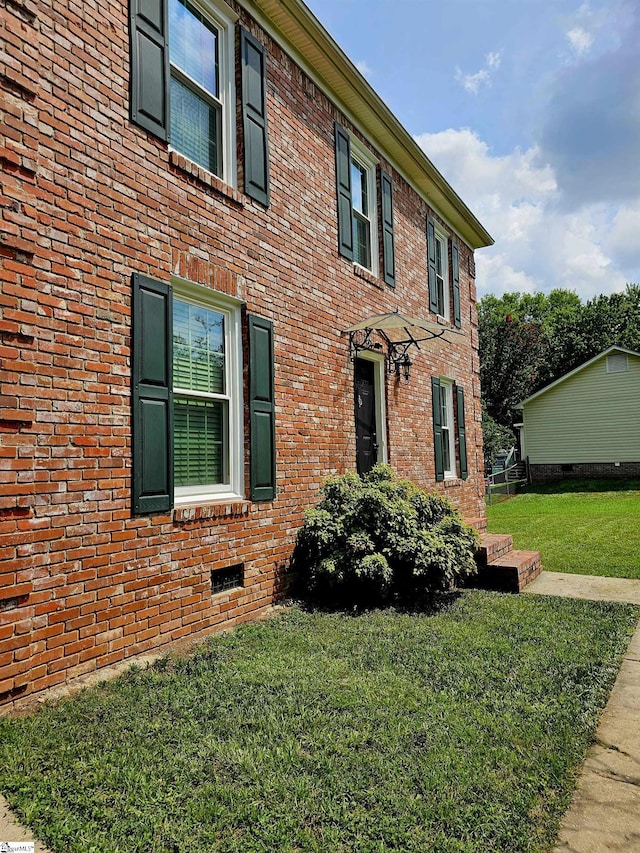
column 574, row 371
column 308, row 39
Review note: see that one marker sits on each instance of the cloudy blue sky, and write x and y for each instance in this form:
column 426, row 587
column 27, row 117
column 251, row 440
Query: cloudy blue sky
column 531, row 110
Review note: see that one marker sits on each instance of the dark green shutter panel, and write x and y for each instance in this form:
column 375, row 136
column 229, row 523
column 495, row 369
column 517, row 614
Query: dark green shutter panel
column 437, row 427
column 343, row 191
column 152, row 397
column 149, row 62
column 262, row 410
column 455, row 283
column 431, row 262
column 254, row 118
column 388, row 250
column 462, row 434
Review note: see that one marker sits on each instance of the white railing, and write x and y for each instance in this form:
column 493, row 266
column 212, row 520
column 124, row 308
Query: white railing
column 506, row 482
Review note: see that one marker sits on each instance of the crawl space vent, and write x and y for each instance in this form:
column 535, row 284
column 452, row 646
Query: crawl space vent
column 229, row 578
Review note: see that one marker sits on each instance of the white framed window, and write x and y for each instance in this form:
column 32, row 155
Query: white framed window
column 202, row 93
column 364, row 207
column 448, row 427
column 442, row 274
column 207, row 394
column 380, row 402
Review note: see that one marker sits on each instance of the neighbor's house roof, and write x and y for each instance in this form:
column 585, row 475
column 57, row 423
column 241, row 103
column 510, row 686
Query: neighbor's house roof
column 295, row 27
column 576, row 370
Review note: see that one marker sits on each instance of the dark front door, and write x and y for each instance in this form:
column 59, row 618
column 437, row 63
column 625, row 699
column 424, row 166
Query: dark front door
column 365, row 406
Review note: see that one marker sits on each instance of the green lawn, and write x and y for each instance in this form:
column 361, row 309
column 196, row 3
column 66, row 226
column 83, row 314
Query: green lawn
column 457, row 731
column 586, row 527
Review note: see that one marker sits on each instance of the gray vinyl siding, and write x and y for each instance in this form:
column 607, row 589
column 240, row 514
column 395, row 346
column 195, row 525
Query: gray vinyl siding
column 593, row 416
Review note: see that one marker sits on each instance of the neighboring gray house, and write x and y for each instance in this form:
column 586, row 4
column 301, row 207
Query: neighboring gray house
column 587, row 423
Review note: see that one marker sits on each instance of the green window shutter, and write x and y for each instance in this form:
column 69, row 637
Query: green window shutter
column 437, row 427
column 388, row 249
column 152, row 397
column 254, row 118
column 149, row 63
column 262, row 409
column 343, row 190
column 462, row 434
column 431, row 262
column 455, row 283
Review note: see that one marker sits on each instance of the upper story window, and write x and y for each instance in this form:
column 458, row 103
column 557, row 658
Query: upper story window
column 363, row 207
column 444, row 276
column 441, row 275
column 196, row 108
column 183, row 79
column 356, row 179
column 361, row 220
column 200, row 53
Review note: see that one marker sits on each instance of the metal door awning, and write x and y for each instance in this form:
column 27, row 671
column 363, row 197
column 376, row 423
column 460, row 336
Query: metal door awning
column 399, row 332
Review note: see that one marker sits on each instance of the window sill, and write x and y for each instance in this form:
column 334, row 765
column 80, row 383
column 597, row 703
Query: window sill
column 218, row 509
column 452, row 482
column 367, row 275
column 204, row 177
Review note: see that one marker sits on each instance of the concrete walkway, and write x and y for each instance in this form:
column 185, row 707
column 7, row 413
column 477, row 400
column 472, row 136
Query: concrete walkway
column 605, row 812
column 586, row 586
column 12, row 831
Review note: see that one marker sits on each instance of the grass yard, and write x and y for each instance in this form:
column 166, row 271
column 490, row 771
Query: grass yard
column 460, row 730
column 586, row 527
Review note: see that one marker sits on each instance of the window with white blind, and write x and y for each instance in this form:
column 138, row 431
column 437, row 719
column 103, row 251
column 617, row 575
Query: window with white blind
column 200, row 54
column 364, row 207
column 446, row 419
column 207, row 415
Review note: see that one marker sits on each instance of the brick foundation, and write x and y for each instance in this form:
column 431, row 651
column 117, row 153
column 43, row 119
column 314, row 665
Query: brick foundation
column 584, row 470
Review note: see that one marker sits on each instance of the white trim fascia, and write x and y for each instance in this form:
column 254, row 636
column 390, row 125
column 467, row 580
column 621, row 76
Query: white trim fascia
column 576, row 370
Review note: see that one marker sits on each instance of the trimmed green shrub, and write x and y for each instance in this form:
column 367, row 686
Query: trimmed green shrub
column 376, row 538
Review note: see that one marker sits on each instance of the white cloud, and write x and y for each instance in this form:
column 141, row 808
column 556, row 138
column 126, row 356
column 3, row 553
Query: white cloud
column 539, row 246
column 623, row 239
column 472, row 82
column 580, row 40
column 364, row 69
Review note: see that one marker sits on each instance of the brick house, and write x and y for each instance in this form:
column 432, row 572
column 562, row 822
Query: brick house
column 198, row 199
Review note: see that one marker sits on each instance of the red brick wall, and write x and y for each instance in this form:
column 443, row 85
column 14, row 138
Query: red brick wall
column 87, row 199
